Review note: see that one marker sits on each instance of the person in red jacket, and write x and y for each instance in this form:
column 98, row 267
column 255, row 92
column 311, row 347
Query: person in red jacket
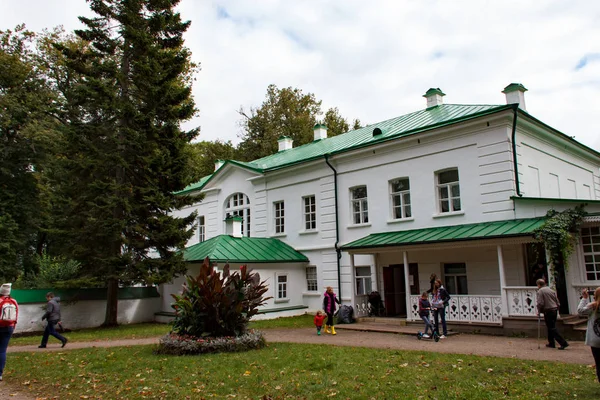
column 319, row 318
column 9, row 312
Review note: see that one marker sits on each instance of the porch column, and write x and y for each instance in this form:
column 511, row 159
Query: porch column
column 353, row 282
column 407, row 285
column 550, row 268
column 502, row 281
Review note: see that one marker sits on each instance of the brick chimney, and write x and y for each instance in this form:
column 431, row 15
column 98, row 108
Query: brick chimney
column 233, row 226
column 320, row 131
column 434, row 97
column 515, row 94
column 285, row 143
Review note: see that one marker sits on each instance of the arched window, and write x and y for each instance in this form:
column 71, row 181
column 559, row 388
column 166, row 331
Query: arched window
column 238, row 204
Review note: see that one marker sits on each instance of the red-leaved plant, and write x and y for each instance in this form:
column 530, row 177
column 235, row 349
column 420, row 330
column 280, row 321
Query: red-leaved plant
column 214, row 304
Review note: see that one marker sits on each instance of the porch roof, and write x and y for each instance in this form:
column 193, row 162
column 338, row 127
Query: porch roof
column 226, row 248
column 454, row 233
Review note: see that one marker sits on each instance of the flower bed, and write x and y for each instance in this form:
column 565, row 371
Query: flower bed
column 189, row 345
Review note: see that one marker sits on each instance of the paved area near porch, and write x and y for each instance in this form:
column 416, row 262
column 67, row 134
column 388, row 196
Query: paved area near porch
column 497, row 346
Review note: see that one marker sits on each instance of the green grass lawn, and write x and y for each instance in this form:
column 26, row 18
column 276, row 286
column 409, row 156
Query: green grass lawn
column 153, row 330
column 284, row 370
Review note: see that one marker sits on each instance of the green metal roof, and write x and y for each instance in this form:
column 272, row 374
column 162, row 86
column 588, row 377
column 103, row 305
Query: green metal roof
column 514, row 87
column 195, row 186
column 482, row 230
column 225, row 248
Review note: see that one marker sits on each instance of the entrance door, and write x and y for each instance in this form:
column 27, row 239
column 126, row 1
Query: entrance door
column 394, row 286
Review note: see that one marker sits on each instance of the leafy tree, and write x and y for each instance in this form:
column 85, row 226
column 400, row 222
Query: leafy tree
column 27, row 135
column 336, row 124
column 356, row 124
column 125, row 153
column 203, row 156
column 285, row 112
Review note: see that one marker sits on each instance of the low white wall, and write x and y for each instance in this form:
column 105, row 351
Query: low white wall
column 88, row 314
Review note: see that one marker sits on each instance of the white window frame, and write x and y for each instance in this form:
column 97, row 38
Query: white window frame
column 590, row 239
column 312, row 281
column 448, row 187
column 201, row 231
column 309, row 212
column 363, row 281
column 279, row 217
column 363, row 206
column 238, row 204
column 454, row 277
column 282, row 288
column 400, row 195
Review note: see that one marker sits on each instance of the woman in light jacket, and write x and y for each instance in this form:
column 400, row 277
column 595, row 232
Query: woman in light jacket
column 592, row 336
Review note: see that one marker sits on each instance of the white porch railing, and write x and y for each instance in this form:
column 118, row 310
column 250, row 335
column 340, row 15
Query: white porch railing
column 361, row 306
column 578, row 288
column 467, row 308
column 521, row 300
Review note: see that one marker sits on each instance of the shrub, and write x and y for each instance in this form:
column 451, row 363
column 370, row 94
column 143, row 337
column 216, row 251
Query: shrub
column 175, row 344
column 54, row 272
column 212, row 305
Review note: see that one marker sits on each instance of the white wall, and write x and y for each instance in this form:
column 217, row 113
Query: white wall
column 481, row 263
column 549, row 167
column 88, row 314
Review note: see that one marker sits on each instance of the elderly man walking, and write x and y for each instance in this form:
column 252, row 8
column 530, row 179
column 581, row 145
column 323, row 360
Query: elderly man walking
column 547, row 304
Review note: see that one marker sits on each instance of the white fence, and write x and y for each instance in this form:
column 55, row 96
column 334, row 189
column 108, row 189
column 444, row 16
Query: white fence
column 467, row 308
column 521, row 300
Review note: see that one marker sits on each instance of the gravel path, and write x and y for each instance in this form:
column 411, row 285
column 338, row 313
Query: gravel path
column 497, row 346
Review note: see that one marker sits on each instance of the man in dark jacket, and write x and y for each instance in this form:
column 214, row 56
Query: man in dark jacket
column 547, row 304
column 52, row 314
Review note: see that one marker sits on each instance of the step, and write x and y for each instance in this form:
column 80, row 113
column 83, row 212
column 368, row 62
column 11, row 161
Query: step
column 383, row 321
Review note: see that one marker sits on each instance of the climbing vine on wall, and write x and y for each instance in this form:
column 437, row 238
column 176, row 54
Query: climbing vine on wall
column 559, row 233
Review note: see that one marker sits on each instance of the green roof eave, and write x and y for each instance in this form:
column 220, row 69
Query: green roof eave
column 205, row 180
column 384, row 139
column 225, row 248
column 454, row 233
column 554, row 200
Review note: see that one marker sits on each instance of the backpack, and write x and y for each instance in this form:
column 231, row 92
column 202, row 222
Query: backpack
column 8, row 312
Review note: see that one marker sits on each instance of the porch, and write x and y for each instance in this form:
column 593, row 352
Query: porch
column 489, row 269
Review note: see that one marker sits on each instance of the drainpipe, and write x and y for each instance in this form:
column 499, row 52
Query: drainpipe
column 337, row 227
column 514, row 149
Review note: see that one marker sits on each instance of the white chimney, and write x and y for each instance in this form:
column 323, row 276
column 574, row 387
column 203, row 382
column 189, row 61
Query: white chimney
column 320, row 131
column 218, row 164
column 515, row 94
column 285, row 143
column 434, row 97
column 233, row 226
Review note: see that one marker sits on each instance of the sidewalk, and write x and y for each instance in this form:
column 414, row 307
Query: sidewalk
column 497, row 346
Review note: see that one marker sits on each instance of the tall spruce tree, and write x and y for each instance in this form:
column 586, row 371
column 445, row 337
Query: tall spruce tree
column 126, row 151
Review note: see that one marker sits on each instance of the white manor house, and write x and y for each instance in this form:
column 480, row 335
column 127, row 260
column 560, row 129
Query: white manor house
column 452, row 189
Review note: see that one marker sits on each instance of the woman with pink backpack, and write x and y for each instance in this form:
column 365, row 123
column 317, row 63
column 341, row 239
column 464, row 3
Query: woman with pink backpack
column 9, row 312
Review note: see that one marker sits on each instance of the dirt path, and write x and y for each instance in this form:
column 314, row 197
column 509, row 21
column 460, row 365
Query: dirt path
column 497, row 346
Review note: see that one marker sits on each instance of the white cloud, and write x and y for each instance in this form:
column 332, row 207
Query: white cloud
column 374, row 60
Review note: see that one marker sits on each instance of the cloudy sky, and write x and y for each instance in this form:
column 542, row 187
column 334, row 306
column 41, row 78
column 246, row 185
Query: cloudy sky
column 375, row 59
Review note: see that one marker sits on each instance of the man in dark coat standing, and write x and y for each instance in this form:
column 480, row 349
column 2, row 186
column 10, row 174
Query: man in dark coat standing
column 547, row 304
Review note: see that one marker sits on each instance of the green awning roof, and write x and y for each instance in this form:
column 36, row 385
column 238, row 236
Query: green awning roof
column 482, row 230
column 225, row 248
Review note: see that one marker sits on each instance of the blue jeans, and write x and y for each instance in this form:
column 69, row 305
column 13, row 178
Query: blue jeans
column 428, row 326
column 441, row 313
column 5, row 334
column 51, row 330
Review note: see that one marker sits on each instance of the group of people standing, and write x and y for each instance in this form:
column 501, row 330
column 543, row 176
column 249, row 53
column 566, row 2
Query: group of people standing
column 9, row 315
column 440, row 299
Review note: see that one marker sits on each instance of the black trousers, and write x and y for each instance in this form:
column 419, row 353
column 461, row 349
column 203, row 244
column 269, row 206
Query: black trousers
column 329, row 319
column 553, row 335
column 596, row 354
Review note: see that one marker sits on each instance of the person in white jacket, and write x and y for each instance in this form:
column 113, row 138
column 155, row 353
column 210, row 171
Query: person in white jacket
column 592, row 336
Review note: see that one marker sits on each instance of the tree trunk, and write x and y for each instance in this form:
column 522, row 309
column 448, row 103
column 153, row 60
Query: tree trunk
column 112, row 303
